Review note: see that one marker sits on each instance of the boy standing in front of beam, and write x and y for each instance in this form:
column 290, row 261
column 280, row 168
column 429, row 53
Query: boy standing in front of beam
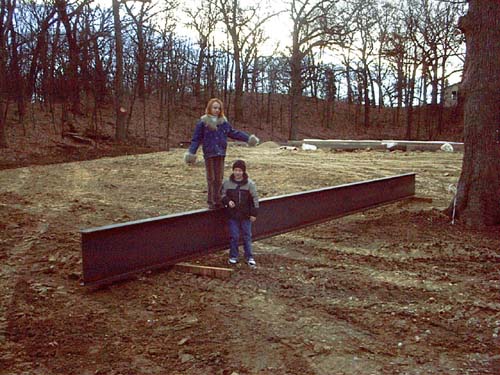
column 239, row 196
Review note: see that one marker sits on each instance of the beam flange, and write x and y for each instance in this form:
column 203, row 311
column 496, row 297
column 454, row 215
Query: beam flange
column 115, row 252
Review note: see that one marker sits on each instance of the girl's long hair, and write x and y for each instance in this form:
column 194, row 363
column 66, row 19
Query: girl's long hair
column 209, row 106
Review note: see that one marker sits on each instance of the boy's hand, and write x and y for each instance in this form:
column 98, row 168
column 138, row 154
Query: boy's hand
column 252, row 218
column 231, row 204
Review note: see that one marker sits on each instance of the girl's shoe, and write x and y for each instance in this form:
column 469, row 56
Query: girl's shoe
column 251, row 262
column 233, row 260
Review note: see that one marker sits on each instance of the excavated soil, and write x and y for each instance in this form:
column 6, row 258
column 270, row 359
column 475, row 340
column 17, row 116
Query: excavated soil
column 393, row 290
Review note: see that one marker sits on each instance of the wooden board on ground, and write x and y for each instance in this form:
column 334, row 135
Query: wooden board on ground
column 217, row 272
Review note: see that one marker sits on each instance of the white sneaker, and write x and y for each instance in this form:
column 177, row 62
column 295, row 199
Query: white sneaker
column 233, row 260
column 251, row 262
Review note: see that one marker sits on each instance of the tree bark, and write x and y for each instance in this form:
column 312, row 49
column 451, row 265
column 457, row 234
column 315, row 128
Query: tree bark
column 348, row 82
column 199, row 67
column 74, row 53
column 141, row 59
column 230, row 14
column 411, row 96
column 18, row 84
column 478, row 192
column 120, row 131
column 295, row 92
column 366, row 96
column 6, row 19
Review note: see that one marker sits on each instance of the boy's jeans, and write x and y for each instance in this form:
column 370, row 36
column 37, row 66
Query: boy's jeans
column 235, row 228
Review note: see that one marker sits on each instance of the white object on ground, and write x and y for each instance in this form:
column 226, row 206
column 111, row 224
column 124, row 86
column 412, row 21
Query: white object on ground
column 446, row 147
column 390, row 145
column 308, row 147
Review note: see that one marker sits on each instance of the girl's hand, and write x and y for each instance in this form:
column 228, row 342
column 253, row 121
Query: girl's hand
column 252, row 218
column 231, row 204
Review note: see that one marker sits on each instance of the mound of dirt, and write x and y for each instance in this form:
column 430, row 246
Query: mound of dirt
column 269, row 144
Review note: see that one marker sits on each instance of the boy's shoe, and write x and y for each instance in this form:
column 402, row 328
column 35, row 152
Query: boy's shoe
column 251, row 262
column 233, row 260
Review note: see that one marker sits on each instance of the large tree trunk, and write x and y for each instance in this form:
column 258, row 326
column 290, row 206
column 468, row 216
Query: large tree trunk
column 3, row 94
column 478, row 193
column 3, row 132
column 238, row 86
column 74, row 53
column 6, row 19
column 18, row 84
column 348, row 83
column 141, row 60
column 379, row 82
column 410, row 99
column 234, row 32
column 295, row 93
column 366, row 96
column 199, row 67
column 39, row 53
column 121, row 130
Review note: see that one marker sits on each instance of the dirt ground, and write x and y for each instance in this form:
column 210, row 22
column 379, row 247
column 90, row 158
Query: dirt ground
column 393, row 290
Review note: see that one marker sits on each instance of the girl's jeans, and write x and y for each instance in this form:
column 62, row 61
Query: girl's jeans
column 236, row 227
column 214, row 168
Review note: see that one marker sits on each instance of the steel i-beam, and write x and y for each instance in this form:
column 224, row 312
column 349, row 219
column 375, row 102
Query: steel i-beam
column 115, row 252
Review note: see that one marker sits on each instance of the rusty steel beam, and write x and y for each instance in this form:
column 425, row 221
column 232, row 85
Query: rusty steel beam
column 115, row 252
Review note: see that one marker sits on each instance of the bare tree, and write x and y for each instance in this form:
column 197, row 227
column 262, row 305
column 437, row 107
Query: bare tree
column 57, row 50
column 120, row 129
column 140, row 22
column 413, row 58
column 203, row 19
column 330, row 89
column 244, row 26
column 478, row 193
column 235, row 20
column 396, row 54
column 120, row 111
column 277, row 81
column 347, row 57
column 434, row 31
column 384, row 18
column 250, row 55
column 315, row 24
column 17, row 80
column 365, row 21
column 44, row 17
column 167, row 70
column 6, row 15
column 72, row 76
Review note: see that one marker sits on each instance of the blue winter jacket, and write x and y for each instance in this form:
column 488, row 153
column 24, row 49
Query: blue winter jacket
column 214, row 142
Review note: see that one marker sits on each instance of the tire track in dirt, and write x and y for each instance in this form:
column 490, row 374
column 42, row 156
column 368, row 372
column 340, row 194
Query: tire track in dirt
column 20, row 233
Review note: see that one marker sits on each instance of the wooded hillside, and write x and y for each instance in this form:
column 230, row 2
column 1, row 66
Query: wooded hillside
column 357, row 68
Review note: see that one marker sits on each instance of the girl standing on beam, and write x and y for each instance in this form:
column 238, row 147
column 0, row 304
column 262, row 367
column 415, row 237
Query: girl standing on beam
column 212, row 131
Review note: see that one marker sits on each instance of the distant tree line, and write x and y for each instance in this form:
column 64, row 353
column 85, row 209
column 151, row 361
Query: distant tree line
column 74, row 53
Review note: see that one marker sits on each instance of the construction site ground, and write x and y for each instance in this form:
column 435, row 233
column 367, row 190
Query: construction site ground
column 393, row 290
